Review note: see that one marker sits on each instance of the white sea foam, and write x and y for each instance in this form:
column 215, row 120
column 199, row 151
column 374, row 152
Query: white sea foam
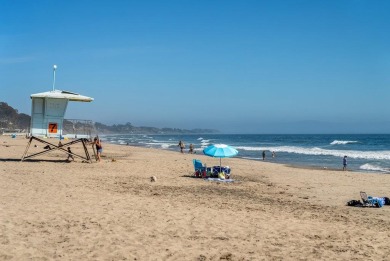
column 343, row 142
column 200, row 138
column 165, row 146
column 371, row 167
column 377, row 155
column 204, row 143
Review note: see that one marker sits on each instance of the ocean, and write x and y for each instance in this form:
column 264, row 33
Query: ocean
column 365, row 153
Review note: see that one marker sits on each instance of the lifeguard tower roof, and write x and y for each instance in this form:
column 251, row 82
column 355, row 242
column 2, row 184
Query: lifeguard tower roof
column 57, row 94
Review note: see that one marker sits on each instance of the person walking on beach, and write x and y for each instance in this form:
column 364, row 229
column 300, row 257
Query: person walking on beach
column 345, row 163
column 182, row 146
column 70, row 156
column 263, row 154
column 99, row 148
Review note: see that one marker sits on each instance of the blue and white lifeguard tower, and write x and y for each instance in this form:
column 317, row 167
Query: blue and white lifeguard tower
column 47, row 120
column 48, row 111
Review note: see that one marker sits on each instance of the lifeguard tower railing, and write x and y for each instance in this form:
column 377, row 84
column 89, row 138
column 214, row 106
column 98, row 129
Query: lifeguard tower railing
column 76, row 129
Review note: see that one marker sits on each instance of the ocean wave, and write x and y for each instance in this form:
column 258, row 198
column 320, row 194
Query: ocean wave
column 163, row 145
column 376, row 155
column 371, row 167
column 204, row 143
column 343, row 142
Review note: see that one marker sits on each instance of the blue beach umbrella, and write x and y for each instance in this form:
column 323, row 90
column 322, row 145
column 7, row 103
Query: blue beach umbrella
column 220, row 151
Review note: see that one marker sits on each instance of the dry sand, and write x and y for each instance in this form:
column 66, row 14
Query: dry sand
column 53, row 210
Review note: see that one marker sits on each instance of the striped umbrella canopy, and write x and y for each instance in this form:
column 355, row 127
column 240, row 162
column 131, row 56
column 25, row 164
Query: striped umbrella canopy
column 220, row 151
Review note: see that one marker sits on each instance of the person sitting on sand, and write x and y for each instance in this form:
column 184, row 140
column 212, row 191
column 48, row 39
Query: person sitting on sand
column 70, row 156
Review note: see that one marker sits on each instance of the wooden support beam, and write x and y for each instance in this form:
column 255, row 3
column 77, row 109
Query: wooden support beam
column 53, row 147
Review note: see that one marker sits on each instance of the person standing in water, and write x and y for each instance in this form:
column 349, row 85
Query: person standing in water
column 345, row 163
column 182, row 146
column 191, row 150
column 263, row 154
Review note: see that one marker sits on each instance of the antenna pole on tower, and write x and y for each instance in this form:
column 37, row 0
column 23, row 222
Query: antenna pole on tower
column 54, row 76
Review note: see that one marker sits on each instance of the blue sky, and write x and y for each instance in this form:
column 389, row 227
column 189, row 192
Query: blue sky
column 237, row 66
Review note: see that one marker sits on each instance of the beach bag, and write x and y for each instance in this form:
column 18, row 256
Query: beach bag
column 354, row 203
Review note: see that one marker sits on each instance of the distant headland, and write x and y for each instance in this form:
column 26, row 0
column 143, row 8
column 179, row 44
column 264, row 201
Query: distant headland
column 13, row 121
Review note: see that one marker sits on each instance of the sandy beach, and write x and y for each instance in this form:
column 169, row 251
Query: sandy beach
column 54, row 210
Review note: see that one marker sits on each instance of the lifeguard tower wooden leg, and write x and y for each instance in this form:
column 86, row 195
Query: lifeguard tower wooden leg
column 27, row 147
column 94, row 152
column 86, row 151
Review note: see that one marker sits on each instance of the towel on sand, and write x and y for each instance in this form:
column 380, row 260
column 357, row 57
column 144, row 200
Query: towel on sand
column 220, row 180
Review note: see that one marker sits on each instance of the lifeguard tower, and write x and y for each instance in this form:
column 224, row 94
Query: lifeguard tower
column 47, row 122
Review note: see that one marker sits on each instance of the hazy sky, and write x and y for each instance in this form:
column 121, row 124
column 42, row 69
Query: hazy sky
column 238, row 66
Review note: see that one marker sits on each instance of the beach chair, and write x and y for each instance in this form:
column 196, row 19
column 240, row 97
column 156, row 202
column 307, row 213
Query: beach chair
column 370, row 201
column 200, row 169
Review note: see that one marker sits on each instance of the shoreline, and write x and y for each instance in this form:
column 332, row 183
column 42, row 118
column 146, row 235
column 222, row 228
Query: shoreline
column 299, row 166
column 366, row 154
column 51, row 209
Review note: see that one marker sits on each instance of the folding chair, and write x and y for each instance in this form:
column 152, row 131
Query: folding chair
column 199, row 168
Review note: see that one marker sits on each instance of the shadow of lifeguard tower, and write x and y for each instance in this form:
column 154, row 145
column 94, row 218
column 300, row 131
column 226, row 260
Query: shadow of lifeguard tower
column 47, row 123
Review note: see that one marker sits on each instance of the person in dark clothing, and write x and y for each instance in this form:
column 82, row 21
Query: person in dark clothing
column 70, row 156
column 191, row 150
column 99, row 148
column 182, row 146
column 345, row 163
